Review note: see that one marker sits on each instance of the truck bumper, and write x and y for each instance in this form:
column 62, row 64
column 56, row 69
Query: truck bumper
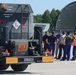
column 29, row 59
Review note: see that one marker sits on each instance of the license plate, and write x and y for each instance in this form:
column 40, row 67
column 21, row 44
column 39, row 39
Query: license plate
column 11, row 60
column 29, row 60
column 47, row 59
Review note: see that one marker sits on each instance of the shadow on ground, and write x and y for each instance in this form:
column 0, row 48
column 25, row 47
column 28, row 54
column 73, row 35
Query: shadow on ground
column 16, row 72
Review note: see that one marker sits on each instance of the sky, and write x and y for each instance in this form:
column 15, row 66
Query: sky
column 39, row 6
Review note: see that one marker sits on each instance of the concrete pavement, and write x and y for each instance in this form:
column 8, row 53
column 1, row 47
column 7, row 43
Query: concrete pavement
column 55, row 68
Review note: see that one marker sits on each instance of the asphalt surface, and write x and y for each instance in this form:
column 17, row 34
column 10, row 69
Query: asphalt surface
column 55, row 68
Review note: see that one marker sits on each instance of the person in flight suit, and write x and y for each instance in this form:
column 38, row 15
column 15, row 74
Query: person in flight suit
column 67, row 47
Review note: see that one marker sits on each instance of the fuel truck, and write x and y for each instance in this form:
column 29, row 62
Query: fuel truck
column 20, row 42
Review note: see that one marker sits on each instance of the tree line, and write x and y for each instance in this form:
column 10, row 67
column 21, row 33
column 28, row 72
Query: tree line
column 48, row 17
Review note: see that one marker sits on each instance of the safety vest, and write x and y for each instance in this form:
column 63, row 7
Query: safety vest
column 74, row 42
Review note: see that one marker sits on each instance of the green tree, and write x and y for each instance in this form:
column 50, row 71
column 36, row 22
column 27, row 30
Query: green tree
column 37, row 18
column 54, row 15
column 58, row 12
column 46, row 17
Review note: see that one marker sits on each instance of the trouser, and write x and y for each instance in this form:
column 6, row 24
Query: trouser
column 57, row 50
column 74, row 52
column 61, row 49
column 52, row 48
column 67, row 51
column 46, row 46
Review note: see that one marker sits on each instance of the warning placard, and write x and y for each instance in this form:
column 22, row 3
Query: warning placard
column 16, row 24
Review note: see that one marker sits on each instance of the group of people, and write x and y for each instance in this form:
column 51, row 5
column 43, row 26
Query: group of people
column 59, row 44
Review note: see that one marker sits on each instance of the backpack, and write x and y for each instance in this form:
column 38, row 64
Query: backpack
column 62, row 40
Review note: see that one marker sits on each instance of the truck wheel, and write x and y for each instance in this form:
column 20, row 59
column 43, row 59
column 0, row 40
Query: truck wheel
column 19, row 67
column 3, row 66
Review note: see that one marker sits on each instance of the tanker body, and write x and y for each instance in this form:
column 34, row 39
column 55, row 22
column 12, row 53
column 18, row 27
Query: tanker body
column 20, row 42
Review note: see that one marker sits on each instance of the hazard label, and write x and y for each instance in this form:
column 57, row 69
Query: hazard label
column 16, row 24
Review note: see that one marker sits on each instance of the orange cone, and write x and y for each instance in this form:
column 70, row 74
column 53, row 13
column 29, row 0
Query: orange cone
column 6, row 50
column 47, row 50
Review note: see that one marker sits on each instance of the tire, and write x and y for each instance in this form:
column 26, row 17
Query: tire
column 3, row 66
column 19, row 67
